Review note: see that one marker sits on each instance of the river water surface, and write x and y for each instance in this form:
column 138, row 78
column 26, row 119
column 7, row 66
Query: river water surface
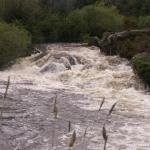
column 79, row 78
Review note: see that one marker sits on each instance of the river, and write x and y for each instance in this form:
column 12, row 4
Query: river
column 78, row 78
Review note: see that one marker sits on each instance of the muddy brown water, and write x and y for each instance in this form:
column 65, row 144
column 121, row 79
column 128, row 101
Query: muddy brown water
column 80, row 77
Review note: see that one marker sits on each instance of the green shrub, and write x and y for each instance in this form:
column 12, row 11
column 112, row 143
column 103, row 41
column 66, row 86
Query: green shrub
column 47, row 24
column 74, row 27
column 48, row 29
column 144, row 21
column 14, row 42
column 130, row 23
column 133, row 45
column 127, row 49
column 101, row 19
column 92, row 20
column 20, row 10
column 141, row 64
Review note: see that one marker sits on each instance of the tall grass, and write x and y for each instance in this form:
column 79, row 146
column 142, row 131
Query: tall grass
column 101, row 104
column 5, row 94
column 55, row 110
column 112, row 109
column 69, row 126
column 105, row 137
column 53, row 134
column 84, row 147
column 7, row 87
column 73, row 138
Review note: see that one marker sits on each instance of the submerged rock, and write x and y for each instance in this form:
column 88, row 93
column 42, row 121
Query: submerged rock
column 66, row 62
column 53, row 67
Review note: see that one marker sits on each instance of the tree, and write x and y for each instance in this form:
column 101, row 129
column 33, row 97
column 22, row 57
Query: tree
column 14, row 43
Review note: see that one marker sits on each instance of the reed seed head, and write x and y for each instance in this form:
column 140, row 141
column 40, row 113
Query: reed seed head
column 112, row 109
column 73, row 139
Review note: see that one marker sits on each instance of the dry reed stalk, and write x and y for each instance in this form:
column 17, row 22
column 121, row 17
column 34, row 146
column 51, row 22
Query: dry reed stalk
column 1, row 114
column 72, row 139
column 53, row 134
column 85, row 132
column 112, row 108
column 84, row 147
column 105, row 137
column 102, row 103
column 55, row 110
column 69, row 126
column 7, row 87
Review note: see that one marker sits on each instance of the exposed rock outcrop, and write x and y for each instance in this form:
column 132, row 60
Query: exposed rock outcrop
column 125, row 43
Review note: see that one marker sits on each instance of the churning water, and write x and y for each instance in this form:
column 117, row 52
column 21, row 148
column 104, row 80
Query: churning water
column 80, row 77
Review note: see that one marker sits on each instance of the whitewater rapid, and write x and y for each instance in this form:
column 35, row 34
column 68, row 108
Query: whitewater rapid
column 81, row 77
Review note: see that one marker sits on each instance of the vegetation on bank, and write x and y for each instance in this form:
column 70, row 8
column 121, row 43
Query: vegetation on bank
column 141, row 64
column 14, row 42
column 91, row 20
column 74, row 20
column 132, row 46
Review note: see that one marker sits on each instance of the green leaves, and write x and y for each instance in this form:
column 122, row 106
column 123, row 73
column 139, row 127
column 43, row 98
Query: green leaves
column 14, row 43
column 141, row 64
column 144, row 21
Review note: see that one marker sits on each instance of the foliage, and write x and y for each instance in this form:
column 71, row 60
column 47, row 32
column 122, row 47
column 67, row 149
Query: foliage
column 131, row 7
column 134, row 45
column 14, row 42
column 100, row 19
column 130, row 23
column 74, row 27
column 144, row 21
column 92, row 20
column 60, row 20
column 48, row 29
column 127, row 49
column 141, row 64
column 20, row 10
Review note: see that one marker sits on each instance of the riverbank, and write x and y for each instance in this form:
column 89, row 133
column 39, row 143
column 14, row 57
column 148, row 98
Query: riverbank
column 128, row 44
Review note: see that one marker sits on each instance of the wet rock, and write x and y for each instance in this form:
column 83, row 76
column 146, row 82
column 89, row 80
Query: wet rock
column 94, row 41
column 73, row 60
column 53, row 67
column 125, row 43
column 65, row 62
